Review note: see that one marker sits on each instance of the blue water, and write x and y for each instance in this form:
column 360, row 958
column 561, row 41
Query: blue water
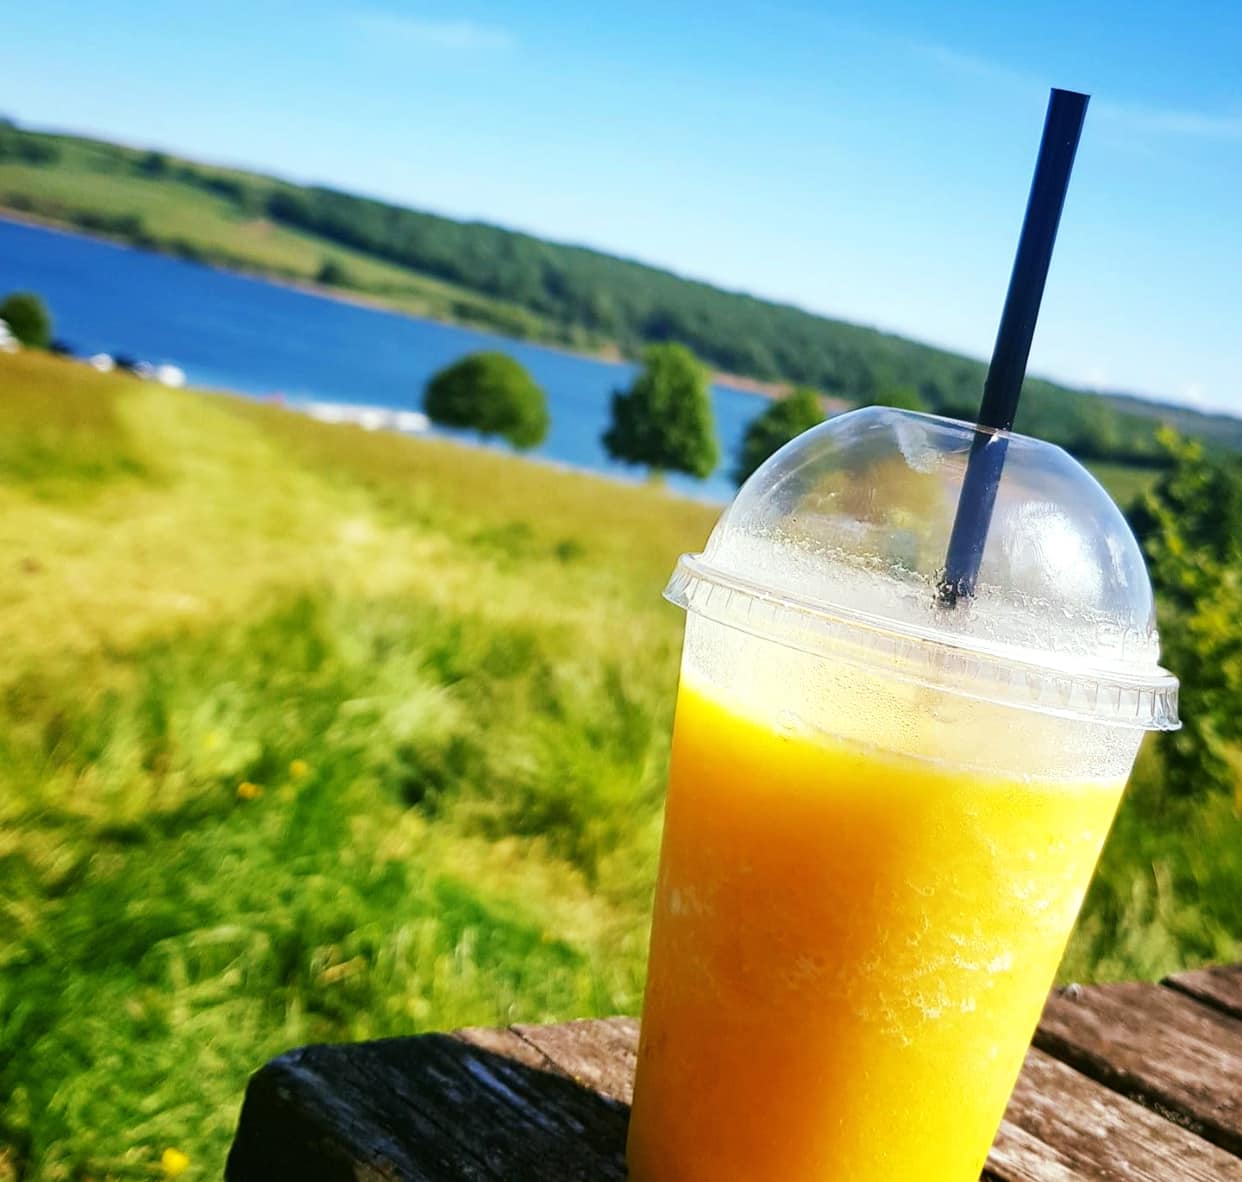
column 243, row 334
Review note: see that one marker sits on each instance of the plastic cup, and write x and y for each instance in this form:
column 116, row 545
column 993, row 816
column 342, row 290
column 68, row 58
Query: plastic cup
column 883, row 813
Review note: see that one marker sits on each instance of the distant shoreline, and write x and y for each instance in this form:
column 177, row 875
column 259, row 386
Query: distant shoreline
column 607, row 353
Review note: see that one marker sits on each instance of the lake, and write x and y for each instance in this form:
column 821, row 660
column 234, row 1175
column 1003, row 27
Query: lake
column 257, row 338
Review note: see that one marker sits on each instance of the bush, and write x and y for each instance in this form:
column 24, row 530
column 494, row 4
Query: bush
column 129, row 226
column 332, row 274
column 1190, row 525
column 28, row 319
column 227, row 187
column 25, row 147
column 490, row 393
column 901, row 398
column 665, row 418
column 153, row 164
column 774, row 427
column 183, row 248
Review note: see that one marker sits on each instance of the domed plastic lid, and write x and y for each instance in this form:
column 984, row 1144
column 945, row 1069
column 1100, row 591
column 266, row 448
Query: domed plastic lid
column 837, row 544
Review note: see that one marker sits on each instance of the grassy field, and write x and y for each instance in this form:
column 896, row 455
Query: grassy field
column 307, row 733
column 1123, row 481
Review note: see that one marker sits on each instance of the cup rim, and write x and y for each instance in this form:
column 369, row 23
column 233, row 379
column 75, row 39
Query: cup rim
column 1142, row 698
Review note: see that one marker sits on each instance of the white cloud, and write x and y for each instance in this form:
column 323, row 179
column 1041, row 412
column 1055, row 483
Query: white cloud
column 465, row 35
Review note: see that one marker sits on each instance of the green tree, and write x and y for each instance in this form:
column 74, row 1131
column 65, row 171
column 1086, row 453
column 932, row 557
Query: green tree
column 1190, row 526
column 778, row 423
column 22, row 145
column 28, row 319
column 664, row 420
column 332, row 273
column 153, row 164
column 490, row 393
column 899, row 397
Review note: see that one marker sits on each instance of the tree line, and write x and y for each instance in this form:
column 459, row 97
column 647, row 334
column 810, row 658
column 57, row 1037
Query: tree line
column 635, row 305
column 587, row 298
column 662, row 421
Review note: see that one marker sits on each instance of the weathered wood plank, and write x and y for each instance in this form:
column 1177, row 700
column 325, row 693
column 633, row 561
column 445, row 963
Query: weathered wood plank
column 479, row 1107
column 550, row 1102
column 600, row 1055
column 327, row 1114
column 1167, row 1051
column 1019, row 1156
column 1219, row 987
column 1063, row 1127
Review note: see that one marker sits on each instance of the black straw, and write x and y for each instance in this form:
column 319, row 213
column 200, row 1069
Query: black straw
column 1062, row 127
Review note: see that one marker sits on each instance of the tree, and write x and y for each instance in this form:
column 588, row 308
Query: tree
column 1091, row 430
column 24, row 146
column 490, row 393
column 332, row 273
column 153, row 164
column 28, row 319
column 775, row 426
column 1190, row 527
column 898, row 397
column 665, row 418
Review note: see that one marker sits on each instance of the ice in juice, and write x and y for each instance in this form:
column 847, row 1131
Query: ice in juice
column 850, row 951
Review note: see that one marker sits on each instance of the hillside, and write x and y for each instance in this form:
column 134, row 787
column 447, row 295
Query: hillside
column 524, row 286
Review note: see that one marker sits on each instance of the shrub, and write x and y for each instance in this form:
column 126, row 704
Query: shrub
column 1190, row 525
column 490, row 393
column 774, row 427
column 665, row 418
column 28, row 319
column 332, row 274
column 902, row 398
column 153, row 164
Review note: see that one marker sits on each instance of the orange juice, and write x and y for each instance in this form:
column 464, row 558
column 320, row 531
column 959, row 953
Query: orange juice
column 850, row 951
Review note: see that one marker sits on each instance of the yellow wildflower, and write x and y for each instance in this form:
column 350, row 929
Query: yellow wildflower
column 299, row 769
column 248, row 791
column 174, row 1163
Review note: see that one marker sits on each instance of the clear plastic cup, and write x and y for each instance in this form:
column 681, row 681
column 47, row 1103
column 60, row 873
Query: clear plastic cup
column 883, row 812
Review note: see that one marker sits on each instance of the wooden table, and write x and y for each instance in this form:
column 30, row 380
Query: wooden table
column 1124, row 1083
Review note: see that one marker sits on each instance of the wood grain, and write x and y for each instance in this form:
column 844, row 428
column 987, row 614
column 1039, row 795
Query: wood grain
column 600, row 1055
column 1167, row 1051
column 1063, row 1127
column 1218, row 987
column 478, row 1107
column 1019, row 1156
column 1129, row 1083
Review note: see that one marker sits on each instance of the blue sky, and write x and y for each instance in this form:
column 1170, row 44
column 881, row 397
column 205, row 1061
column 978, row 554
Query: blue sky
column 869, row 161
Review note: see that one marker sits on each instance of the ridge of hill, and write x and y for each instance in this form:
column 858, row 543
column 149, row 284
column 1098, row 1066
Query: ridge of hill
column 524, row 286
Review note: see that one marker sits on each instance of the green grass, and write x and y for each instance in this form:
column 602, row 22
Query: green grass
column 1124, row 482
column 456, row 708
column 1168, row 890
column 453, row 707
